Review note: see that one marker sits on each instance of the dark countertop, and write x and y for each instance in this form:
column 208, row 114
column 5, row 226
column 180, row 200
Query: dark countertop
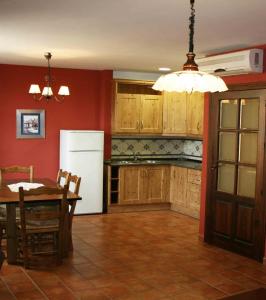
column 184, row 163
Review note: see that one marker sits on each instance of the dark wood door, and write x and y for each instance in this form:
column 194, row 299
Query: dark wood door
column 235, row 203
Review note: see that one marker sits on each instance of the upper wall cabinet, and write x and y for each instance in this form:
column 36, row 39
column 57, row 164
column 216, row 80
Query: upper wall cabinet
column 137, row 109
column 183, row 114
column 174, row 113
column 195, row 108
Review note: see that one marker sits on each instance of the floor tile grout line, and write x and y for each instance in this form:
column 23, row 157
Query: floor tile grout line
column 34, row 283
column 10, row 291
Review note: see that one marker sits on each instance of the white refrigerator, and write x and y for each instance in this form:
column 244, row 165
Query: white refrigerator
column 81, row 153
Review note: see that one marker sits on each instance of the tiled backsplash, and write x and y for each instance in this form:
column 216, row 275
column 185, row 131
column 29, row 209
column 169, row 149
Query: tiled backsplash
column 145, row 146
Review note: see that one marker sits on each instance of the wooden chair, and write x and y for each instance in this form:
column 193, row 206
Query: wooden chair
column 40, row 232
column 11, row 170
column 76, row 182
column 62, row 175
column 17, row 169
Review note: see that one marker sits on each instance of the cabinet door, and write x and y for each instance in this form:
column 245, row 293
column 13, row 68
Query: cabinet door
column 151, row 114
column 178, row 188
column 155, row 184
column 127, row 113
column 174, row 113
column 193, row 192
column 195, row 103
column 130, row 185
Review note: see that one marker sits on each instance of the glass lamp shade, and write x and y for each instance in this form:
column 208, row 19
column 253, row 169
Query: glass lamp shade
column 190, row 81
column 63, row 91
column 34, row 89
column 47, row 91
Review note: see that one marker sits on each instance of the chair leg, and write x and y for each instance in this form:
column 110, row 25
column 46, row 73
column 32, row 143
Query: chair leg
column 2, row 255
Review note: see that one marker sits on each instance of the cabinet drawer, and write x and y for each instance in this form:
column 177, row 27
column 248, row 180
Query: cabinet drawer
column 194, row 176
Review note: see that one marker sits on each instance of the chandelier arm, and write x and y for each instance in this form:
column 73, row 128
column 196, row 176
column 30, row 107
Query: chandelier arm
column 191, row 26
column 36, row 98
column 59, row 99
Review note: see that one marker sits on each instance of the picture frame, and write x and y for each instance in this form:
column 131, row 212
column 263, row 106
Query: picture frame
column 30, row 123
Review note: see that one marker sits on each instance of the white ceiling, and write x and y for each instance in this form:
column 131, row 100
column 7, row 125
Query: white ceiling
column 124, row 34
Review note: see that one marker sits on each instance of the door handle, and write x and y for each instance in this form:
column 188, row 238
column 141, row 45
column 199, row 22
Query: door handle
column 142, row 124
column 137, row 125
column 214, row 167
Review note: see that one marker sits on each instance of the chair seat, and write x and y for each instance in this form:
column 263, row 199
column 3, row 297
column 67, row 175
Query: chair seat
column 41, row 226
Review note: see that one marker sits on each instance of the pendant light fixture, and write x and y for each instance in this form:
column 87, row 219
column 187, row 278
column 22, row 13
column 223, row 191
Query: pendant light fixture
column 190, row 79
column 47, row 91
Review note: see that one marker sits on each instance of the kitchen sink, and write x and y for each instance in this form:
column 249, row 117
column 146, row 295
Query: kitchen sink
column 131, row 162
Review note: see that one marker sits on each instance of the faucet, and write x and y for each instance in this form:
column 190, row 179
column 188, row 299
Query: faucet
column 135, row 156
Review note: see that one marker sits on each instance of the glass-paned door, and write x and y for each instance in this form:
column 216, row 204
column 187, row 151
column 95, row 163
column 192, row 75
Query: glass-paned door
column 238, row 146
column 236, row 171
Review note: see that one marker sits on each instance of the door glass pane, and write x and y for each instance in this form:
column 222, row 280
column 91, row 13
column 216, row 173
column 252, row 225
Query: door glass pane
column 227, row 146
column 228, row 114
column 226, row 178
column 246, row 181
column 248, row 143
column 249, row 111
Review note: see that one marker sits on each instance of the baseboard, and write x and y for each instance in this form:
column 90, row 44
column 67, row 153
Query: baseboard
column 116, row 208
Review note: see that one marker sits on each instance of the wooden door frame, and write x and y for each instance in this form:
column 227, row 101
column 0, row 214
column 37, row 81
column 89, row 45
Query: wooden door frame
column 212, row 146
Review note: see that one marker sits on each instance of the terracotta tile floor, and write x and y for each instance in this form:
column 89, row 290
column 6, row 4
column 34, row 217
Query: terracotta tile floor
column 143, row 256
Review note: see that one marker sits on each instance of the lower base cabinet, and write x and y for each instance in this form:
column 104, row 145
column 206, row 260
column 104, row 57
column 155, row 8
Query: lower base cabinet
column 143, row 184
column 185, row 191
column 155, row 184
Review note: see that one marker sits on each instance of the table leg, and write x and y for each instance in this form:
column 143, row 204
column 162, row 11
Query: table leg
column 66, row 235
column 11, row 231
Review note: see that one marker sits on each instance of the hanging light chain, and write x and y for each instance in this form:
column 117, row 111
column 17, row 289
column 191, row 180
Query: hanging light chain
column 191, row 26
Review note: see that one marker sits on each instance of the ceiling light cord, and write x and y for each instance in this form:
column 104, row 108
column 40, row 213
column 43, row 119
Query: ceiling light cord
column 191, row 26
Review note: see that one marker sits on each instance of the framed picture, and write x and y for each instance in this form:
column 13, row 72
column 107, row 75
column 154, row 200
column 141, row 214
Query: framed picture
column 30, row 123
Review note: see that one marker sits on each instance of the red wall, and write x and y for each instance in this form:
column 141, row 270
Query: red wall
column 232, row 80
column 88, row 107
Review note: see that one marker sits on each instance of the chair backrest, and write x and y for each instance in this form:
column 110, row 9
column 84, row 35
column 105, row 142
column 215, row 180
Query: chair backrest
column 76, row 182
column 28, row 214
column 17, row 169
column 62, row 174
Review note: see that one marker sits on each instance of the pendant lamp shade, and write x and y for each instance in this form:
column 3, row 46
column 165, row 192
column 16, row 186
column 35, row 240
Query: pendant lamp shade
column 190, row 79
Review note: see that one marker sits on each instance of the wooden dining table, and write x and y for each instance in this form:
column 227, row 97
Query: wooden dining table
column 11, row 200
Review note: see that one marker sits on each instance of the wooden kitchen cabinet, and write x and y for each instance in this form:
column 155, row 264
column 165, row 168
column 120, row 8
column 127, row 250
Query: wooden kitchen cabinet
column 155, row 184
column 185, row 191
column 174, row 113
column 195, row 108
column 130, row 185
column 127, row 108
column 183, row 114
column 137, row 108
column 151, row 114
column 178, row 186
column 143, row 184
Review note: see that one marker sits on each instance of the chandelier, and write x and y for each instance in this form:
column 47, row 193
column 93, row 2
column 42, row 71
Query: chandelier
column 47, row 91
column 190, row 79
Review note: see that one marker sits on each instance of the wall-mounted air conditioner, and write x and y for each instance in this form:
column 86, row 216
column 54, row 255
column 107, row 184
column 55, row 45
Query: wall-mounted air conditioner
column 240, row 62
